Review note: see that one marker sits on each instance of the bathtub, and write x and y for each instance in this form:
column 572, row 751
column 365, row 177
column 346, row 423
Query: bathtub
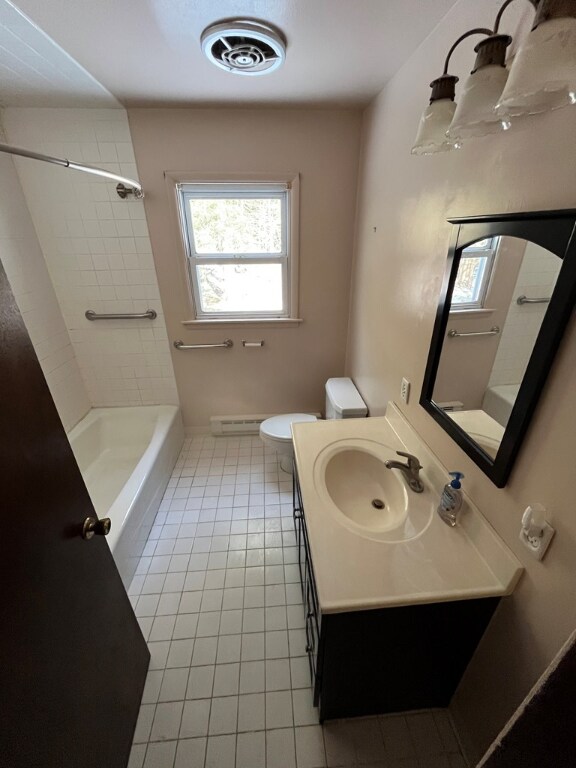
column 499, row 400
column 126, row 457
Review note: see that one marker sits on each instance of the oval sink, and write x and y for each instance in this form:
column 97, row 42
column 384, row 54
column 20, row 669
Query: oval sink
column 366, row 491
column 367, row 497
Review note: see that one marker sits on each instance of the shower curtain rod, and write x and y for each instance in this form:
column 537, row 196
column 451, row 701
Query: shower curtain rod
column 124, row 187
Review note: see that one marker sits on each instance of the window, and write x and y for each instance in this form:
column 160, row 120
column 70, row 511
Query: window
column 238, row 239
column 474, row 270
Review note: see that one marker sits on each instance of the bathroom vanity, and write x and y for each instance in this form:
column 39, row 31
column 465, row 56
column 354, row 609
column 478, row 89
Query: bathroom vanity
column 396, row 601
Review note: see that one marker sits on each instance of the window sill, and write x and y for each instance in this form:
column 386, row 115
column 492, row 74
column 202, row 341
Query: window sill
column 268, row 322
column 472, row 312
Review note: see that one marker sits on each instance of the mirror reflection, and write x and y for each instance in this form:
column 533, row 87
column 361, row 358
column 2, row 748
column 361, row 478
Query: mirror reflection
column 500, row 297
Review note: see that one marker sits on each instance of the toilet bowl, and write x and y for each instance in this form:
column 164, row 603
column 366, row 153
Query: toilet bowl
column 343, row 401
column 276, row 433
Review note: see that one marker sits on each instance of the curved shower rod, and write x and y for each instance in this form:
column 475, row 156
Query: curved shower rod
column 124, row 187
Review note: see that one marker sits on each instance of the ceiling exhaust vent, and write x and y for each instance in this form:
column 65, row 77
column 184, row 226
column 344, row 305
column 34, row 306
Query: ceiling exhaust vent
column 244, row 47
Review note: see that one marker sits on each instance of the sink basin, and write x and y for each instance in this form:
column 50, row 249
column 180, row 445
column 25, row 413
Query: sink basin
column 367, row 497
column 366, row 491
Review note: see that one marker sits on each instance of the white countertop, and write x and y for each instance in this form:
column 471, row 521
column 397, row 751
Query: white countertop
column 440, row 564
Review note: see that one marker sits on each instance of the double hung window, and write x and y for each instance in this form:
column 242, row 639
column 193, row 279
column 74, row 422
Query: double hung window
column 474, row 271
column 240, row 254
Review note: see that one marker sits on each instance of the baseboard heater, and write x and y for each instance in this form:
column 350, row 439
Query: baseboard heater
column 238, row 425
column 241, row 425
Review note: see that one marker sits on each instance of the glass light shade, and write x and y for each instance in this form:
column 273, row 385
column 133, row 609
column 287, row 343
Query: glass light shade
column 435, row 121
column 475, row 115
column 543, row 75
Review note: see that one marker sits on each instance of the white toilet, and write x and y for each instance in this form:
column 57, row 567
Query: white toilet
column 343, row 401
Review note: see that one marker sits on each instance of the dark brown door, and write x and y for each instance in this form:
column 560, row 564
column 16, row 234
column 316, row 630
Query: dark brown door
column 72, row 658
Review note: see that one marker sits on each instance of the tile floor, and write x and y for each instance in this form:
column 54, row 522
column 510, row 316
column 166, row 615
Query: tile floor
column 218, row 598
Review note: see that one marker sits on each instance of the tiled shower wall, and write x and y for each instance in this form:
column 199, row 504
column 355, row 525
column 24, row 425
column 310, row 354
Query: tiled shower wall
column 97, row 251
column 25, row 268
column 537, row 278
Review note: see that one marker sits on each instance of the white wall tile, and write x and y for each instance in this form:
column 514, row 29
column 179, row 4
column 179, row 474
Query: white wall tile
column 26, row 270
column 98, row 254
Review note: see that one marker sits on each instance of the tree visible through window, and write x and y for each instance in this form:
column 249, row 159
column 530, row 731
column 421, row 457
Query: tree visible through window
column 237, row 242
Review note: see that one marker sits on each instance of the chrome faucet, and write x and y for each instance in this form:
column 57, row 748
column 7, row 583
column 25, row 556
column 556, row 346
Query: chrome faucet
column 411, row 470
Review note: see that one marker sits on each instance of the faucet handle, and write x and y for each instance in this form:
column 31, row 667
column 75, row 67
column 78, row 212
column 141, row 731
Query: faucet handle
column 413, row 461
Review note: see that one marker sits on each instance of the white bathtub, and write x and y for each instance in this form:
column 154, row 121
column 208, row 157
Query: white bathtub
column 499, row 400
column 126, row 456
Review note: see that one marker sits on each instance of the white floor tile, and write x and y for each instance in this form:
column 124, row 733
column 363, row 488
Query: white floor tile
column 305, row 713
column 204, row 651
column 253, row 620
column 310, row 751
column 223, row 715
column 221, row 752
column 278, row 675
column 162, row 628
column 252, row 676
column 200, row 682
column 231, row 622
column 279, row 709
column 208, row 624
column 152, row 687
column 180, row 653
column 228, row 649
column 158, row 654
column 252, row 646
column 251, row 712
column 184, row 626
column 166, row 724
column 190, row 753
column 137, row 755
column 251, row 750
column 160, row 755
column 226, row 680
column 217, row 594
column 195, row 717
column 173, row 685
column 280, row 748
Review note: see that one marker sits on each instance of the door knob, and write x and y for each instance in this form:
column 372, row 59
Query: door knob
column 93, row 526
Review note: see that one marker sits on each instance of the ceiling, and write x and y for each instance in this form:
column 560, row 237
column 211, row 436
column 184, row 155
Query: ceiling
column 36, row 72
column 147, row 52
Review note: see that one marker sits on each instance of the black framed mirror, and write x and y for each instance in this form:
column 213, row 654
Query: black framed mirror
column 508, row 293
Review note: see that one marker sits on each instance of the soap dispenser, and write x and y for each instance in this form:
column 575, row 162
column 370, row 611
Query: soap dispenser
column 451, row 500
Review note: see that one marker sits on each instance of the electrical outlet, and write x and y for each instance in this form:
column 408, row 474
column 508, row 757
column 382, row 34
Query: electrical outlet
column 405, row 390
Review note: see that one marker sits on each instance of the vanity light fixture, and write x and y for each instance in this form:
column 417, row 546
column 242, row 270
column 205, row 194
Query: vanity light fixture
column 544, row 73
column 436, row 119
column 542, row 77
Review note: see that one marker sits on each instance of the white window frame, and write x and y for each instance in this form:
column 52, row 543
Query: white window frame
column 285, row 189
column 472, row 252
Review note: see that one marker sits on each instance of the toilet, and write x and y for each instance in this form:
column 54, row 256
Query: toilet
column 343, row 401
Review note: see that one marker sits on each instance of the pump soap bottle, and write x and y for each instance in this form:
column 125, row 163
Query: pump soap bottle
column 451, row 500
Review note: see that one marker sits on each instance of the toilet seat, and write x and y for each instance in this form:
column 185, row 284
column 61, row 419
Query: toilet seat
column 276, row 434
column 278, row 428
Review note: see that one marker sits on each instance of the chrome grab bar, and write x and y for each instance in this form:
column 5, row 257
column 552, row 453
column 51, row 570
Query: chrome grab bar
column 180, row 345
column 150, row 314
column 492, row 332
column 525, row 300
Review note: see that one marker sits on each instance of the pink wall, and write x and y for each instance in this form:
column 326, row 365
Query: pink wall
column 288, row 373
column 402, row 241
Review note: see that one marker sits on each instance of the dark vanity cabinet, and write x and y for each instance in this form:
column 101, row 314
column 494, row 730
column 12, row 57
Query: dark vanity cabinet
column 387, row 659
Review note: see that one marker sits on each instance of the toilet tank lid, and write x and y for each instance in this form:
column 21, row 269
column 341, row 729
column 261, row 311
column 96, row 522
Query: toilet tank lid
column 345, row 397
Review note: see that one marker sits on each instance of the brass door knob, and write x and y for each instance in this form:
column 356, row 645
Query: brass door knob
column 94, row 526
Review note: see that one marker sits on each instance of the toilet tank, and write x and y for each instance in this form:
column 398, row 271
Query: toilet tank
column 343, row 400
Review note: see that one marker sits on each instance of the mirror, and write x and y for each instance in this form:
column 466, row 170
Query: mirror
column 508, row 292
